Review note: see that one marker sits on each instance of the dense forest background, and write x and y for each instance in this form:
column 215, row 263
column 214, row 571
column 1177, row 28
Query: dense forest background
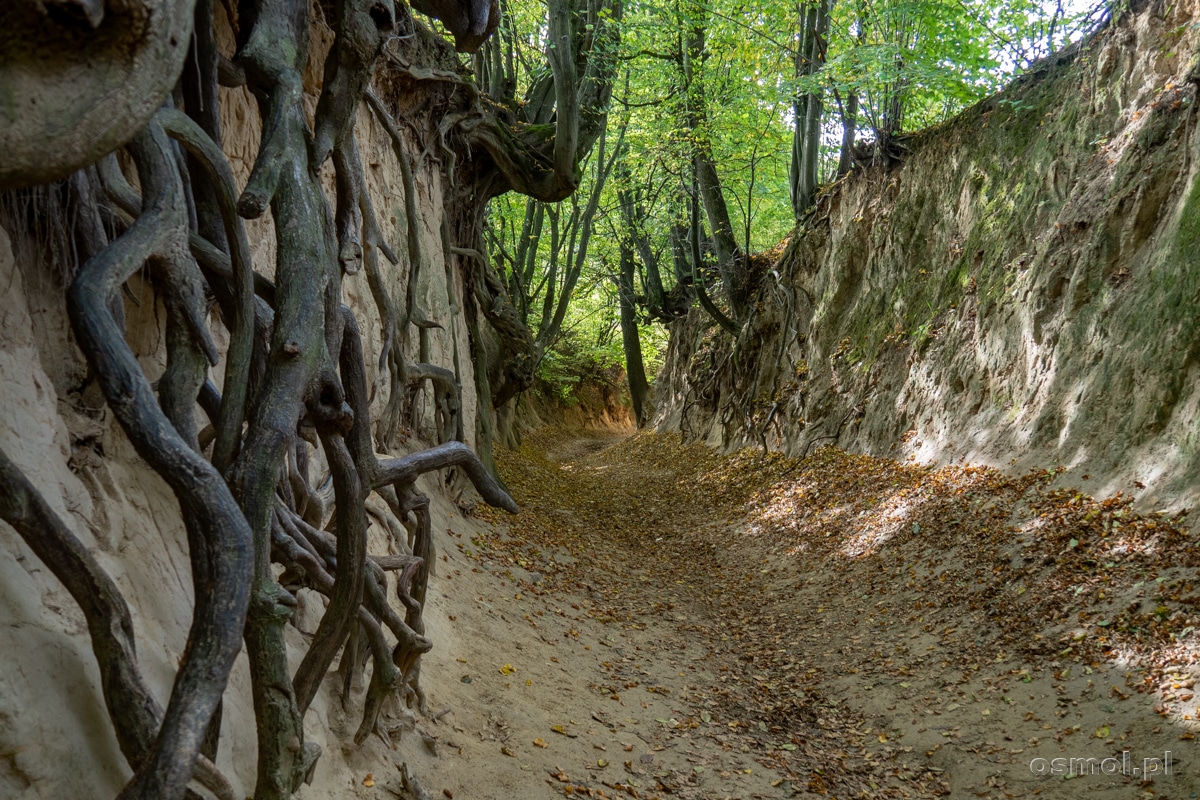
column 726, row 121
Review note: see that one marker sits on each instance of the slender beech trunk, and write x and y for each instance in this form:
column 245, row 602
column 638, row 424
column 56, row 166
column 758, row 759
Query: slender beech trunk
column 849, row 130
column 730, row 261
column 806, row 139
column 635, row 370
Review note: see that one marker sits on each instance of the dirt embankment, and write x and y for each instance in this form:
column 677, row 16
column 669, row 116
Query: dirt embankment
column 594, row 404
column 1019, row 289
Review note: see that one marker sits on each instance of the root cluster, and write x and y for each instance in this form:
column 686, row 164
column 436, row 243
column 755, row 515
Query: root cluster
column 278, row 464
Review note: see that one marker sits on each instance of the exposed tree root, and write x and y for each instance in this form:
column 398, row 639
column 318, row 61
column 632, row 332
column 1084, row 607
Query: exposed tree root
column 135, row 714
column 217, row 533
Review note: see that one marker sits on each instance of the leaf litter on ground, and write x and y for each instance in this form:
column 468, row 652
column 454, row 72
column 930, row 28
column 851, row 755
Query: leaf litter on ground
column 806, row 582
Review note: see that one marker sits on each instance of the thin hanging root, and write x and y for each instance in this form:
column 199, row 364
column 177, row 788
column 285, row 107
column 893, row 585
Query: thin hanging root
column 349, row 188
column 207, row 506
column 391, row 367
column 413, row 220
column 241, row 327
column 351, row 571
column 391, row 362
column 447, row 396
column 398, row 324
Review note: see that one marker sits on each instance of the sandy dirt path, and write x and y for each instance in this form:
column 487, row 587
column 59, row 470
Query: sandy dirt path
column 660, row 622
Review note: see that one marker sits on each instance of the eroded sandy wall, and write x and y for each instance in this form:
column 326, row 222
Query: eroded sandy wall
column 55, row 737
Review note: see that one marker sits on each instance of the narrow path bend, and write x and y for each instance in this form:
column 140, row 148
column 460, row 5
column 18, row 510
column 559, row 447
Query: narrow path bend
column 673, row 623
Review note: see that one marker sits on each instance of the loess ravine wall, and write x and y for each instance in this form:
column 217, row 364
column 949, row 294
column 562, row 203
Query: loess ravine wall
column 1020, row 289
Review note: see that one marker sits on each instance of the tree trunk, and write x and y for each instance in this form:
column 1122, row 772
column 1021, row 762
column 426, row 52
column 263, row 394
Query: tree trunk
column 806, row 139
column 635, row 370
column 698, row 278
column 730, row 262
column 725, row 247
column 633, row 213
column 849, row 130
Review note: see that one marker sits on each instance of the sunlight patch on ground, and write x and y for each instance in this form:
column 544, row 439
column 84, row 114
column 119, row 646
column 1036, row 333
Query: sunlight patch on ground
column 895, row 514
column 1037, row 557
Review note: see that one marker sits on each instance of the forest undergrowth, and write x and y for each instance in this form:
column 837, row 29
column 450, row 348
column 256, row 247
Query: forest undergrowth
column 868, row 628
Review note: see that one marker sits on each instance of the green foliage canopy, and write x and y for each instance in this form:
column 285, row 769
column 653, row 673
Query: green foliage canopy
column 721, row 76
